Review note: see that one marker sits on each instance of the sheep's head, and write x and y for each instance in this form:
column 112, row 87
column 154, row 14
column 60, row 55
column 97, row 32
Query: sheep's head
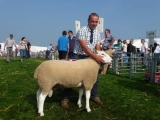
column 106, row 57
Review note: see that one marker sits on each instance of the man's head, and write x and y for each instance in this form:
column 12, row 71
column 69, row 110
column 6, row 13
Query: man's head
column 11, row 36
column 119, row 41
column 107, row 32
column 131, row 41
column 64, row 33
column 93, row 20
column 142, row 41
column 70, row 33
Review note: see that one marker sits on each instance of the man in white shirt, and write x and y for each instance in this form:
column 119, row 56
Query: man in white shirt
column 49, row 48
column 156, row 47
column 144, row 51
column 9, row 44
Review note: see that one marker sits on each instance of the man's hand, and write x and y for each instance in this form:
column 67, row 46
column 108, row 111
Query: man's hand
column 108, row 46
column 99, row 59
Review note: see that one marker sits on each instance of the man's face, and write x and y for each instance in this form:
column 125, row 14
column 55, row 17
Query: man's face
column 70, row 34
column 11, row 37
column 142, row 41
column 93, row 22
column 106, row 33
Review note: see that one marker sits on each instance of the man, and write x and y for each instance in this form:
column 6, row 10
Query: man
column 71, row 44
column 9, row 43
column 87, row 39
column 63, row 46
column 144, row 51
column 48, row 51
column 107, row 44
column 29, row 48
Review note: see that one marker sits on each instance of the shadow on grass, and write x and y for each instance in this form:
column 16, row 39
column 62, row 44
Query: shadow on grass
column 56, row 97
column 142, row 86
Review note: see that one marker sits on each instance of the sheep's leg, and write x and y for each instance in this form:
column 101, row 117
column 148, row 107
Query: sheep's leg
column 50, row 93
column 88, row 94
column 38, row 94
column 41, row 104
column 80, row 97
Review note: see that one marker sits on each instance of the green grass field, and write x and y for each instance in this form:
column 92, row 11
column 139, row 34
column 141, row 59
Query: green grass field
column 124, row 98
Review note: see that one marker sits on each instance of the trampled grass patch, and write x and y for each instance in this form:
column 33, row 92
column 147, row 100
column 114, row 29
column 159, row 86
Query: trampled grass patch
column 123, row 98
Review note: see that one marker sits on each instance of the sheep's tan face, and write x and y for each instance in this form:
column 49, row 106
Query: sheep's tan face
column 106, row 57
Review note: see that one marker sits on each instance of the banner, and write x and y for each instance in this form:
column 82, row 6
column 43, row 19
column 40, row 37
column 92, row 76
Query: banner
column 100, row 25
column 77, row 25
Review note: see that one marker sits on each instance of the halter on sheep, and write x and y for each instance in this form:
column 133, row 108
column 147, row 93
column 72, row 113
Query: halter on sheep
column 56, row 75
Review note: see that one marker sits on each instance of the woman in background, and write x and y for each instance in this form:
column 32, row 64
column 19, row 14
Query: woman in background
column 22, row 48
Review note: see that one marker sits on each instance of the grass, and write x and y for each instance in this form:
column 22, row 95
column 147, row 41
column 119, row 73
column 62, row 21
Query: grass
column 124, row 98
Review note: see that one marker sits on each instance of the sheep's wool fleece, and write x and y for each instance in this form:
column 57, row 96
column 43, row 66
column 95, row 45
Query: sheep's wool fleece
column 66, row 73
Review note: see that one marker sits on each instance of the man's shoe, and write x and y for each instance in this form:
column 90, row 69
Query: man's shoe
column 64, row 104
column 97, row 100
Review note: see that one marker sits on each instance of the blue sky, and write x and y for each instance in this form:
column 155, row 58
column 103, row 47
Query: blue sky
column 42, row 21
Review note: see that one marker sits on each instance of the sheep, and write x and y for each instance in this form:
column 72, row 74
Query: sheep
column 82, row 74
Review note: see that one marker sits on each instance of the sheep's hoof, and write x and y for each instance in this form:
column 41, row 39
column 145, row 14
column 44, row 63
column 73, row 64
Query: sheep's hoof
column 88, row 110
column 79, row 105
column 41, row 114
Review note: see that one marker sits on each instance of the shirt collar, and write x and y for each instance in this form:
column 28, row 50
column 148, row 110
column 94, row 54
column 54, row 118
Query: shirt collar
column 90, row 29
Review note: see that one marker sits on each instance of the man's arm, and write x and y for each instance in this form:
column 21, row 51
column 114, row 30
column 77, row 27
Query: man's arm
column 111, row 43
column 85, row 48
column 68, row 47
column 5, row 44
column 98, row 47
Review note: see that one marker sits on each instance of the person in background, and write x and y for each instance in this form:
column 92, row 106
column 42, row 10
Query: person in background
column 156, row 49
column 144, row 53
column 130, row 47
column 71, row 44
column 119, row 45
column 106, row 44
column 22, row 48
column 48, row 51
column 9, row 44
column 63, row 46
column 16, row 52
column 29, row 48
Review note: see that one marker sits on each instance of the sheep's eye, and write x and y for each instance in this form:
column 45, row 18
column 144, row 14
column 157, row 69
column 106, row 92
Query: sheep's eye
column 103, row 54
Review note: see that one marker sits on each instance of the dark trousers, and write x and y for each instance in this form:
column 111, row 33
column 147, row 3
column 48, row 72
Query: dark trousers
column 94, row 91
column 28, row 53
column 142, row 55
column 70, row 55
column 62, row 54
column 47, row 54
